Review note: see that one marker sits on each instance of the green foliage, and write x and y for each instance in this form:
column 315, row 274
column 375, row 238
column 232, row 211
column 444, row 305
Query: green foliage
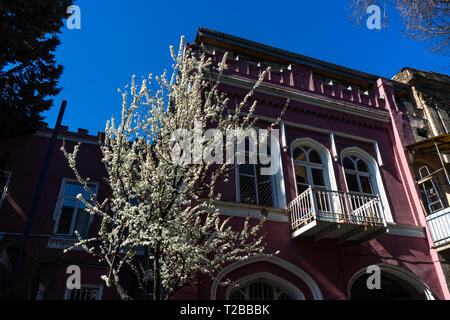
column 29, row 73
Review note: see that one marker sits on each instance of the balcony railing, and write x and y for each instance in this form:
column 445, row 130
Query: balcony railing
column 334, row 208
column 439, row 224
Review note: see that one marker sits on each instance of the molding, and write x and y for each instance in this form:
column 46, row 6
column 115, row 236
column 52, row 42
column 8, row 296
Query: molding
column 44, row 134
column 404, row 230
column 61, row 242
column 306, row 278
column 322, row 102
column 401, row 273
column 243, row 210
column 311, row 128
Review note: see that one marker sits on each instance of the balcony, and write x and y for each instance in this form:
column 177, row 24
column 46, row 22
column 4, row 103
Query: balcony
column 336, row 215
column 439, row 224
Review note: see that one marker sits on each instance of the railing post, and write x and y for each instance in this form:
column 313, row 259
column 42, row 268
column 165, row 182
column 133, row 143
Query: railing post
column 313, row 202
column 381, row 209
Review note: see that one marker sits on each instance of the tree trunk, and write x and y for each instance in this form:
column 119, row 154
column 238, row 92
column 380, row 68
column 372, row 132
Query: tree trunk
column 156, row 274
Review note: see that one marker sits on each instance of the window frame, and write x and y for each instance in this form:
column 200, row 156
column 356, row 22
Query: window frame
column 60, row 203
column 5, row 187
column 358, row 175
column 274, row 190
column 309, row 166
column 376, row 178
column 325, row 156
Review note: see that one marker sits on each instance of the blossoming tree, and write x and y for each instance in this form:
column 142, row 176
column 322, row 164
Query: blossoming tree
column 163, row 207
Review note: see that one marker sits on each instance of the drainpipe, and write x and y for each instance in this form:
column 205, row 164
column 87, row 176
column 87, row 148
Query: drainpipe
column 431, row 123
column 34, row 207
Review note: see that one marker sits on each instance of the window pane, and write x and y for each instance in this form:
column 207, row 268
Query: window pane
column 247, row 169
column 3, row 180
column 352, row 183
column 299, row 154
column 265, row 194
column 82, row 221
column 301, row 188
column 300, row 174
column 317, row 175
column 261, row 291
column 66, row 217
column 248, row 189
column 72, row 189
column 365, row 184
column 348, row 164
column 262, row 177
column 264, row 187
column 283, row 296
column 237, row 295
column 314, row 157
column 362, row 166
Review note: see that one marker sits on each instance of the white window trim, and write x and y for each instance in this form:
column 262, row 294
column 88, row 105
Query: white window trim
column 59, row 204
column 376, row 180
column 309, row 166
column 86, row 286
column 5, row 188
column 325, row 156
column 295, row 270
column 277, row 181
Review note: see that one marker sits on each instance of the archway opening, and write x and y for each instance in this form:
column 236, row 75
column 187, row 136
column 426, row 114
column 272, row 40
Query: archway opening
column 391, row 288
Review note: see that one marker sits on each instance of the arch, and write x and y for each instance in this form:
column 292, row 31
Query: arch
column 398, row 272
column 271, row 279
column 325, row 156
column 305, row 277
column 376, row 180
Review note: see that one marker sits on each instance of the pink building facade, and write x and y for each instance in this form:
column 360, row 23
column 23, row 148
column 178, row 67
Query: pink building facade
column 343, row 200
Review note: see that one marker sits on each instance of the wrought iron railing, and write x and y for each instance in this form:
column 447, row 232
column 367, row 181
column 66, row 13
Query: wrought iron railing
column 335, row 206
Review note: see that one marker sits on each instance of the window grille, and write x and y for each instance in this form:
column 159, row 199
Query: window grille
column 259, row 290
column 84, row 294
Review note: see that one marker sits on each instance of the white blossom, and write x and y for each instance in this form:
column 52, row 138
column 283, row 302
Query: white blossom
column 164, row 208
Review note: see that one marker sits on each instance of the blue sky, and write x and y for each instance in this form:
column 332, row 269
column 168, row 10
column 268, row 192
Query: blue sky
column 120, row 38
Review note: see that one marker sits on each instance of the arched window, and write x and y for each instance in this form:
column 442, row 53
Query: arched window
column 309, row 169
column 357, row 175
column 362, row 175
column 259, row 290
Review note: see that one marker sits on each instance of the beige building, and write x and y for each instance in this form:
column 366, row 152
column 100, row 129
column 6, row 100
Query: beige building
column 428, row 112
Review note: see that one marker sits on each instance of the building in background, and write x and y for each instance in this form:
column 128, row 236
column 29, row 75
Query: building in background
column 344, row 198
column 44, row 268
column 428, row 111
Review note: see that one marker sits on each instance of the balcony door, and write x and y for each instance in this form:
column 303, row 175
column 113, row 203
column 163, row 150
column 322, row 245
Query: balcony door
column 309, row 169
column 357, row 176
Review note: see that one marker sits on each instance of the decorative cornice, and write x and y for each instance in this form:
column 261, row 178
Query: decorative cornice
column 322, row 102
